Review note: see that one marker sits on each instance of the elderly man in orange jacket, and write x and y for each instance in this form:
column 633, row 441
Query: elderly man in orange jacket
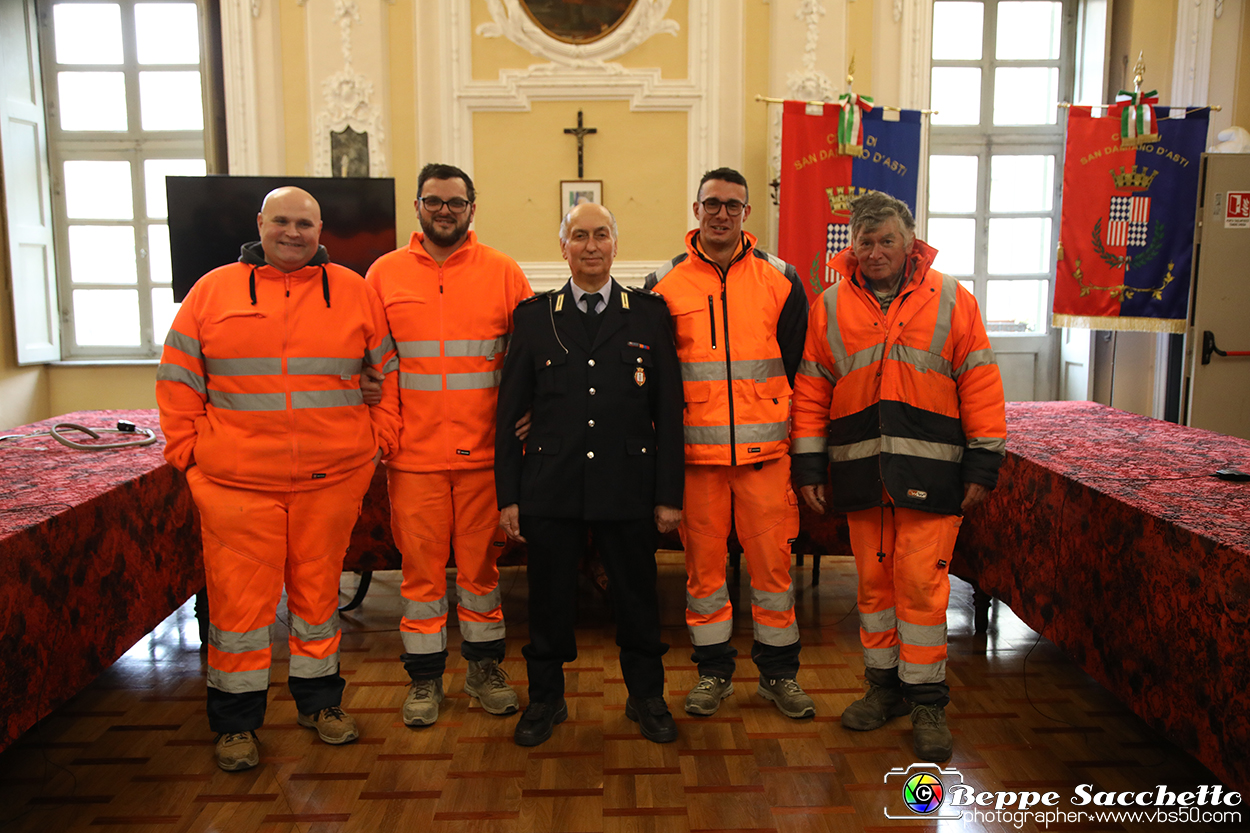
column 260, row 406
column 449, row 300
column 900, row 399
column 740, row 315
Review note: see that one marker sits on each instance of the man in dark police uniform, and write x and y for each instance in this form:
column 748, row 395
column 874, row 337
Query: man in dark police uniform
column 596, row 364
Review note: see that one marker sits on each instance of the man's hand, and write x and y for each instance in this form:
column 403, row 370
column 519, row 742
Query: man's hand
column 814, row 497
column 510, row 520
column 974, row 495
column 667, row 518
column 371, row 385
column 523, row 426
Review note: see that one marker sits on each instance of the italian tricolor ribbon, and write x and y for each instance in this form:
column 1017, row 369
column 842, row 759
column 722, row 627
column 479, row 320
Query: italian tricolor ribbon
column 1137, row 119
column 850, row 123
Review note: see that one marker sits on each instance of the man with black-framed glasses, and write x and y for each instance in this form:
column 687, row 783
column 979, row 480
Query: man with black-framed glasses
column 449, row 300
column 740, row 315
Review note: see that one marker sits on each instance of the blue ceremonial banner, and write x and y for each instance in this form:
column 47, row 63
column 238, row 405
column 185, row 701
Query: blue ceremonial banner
column 818, row 183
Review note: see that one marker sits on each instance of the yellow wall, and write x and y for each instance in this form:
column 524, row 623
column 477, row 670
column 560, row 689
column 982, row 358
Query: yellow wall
column 92, row 387
column 520, row 158
column 1241, row 103
column 755, row 119
column 402, row 140
column 23, row 390
column 295, row 87
column 859, row 37
column 1146, row 28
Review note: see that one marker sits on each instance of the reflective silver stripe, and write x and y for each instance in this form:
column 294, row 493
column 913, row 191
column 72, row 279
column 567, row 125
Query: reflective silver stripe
column 708, row 605
column 309, row 366
column 178, row 373
column 859, row 360
column 809, row 368
column 779, row 637
column 489, row 347
column 837, row 350
column 481, row 631
column 306, row 632
column 896, row 445
column 774, row 261
column 247, row 401
column 808, row 445
column 420, row 381
column 243, row 367
column 879, row 622
column 915, row 673
column 712, row 633
column 658, row 275
column 419, row 611
column 922, row 360
column 478, row 604
column 922, row 636
column 418, row 349
column 391, row 365
column 998, row 445
column 326, row 398
column 751, row 433
column 424, row 643
column 758, row 369
column 238, row 682
column 945, row 313
column 378, row 353
column 881, row 657
column 776, row 602
column 473, row 381
column 977, row 358
column 234, row 642
column 184, row 344
column 311, row 667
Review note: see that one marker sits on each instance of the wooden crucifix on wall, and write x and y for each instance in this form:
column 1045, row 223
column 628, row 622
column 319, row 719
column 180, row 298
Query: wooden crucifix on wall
column 581, row 133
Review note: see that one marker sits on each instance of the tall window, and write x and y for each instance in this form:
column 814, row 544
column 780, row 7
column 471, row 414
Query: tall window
column 996, row 147
column 124, row 85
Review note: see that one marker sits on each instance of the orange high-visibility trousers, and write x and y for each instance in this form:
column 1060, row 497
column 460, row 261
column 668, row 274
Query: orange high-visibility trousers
column 903, row 596
column 254, row 542
column 433, row 513
column 766, row 514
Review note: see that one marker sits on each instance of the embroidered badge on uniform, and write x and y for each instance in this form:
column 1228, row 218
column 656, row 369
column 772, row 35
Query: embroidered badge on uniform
column 917, row 494
column 640, row 377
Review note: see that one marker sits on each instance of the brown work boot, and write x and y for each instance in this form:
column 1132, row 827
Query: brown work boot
column 930, row 738
column 237, row 751
column 788, row 696
column 334, row 726
column 489, row 684
column 421, row 704
column 875, row 708
column 707, row 694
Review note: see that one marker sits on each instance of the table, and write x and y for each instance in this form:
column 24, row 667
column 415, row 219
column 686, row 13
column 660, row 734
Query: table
column 96, row 549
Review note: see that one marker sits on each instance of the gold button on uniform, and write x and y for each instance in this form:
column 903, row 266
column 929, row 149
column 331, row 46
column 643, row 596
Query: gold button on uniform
column 592, row 391
column 590, row 455
column 591, row 362
column 591, row 423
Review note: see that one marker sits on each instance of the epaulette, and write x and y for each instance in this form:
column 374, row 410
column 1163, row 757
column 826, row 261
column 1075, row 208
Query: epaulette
column 531, row 299
column 638, row 290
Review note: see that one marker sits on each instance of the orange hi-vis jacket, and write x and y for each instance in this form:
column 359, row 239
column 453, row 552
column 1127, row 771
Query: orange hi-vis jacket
column 911, row 400
column 259, row 383
column 451, row 323
column 740, row 339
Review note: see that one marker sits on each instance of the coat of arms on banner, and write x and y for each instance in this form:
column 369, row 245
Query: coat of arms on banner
column 838, row 232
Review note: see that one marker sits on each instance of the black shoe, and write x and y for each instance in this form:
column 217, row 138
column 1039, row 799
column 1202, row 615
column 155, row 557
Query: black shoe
column 539, row 719
column 652, row 718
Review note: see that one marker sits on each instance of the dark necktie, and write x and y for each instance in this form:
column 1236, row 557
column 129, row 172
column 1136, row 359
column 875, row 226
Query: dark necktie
column 592, row 316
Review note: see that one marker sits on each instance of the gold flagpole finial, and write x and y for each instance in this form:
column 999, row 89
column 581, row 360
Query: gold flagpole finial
column 1139, row 71
column 850, row 73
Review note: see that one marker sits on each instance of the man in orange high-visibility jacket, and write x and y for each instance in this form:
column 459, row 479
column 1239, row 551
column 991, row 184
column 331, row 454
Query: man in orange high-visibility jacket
column 449, row 300
column 740, row 316
column 260, row 406
column 899, row 398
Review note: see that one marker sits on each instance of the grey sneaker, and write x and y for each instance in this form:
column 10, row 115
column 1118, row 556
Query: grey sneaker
column 333, row 725
column 788, row 696
column 706, row 695
column 421, row 704
column 237, row 751
column 877, row 706
column 489, row 684
column 930, row 738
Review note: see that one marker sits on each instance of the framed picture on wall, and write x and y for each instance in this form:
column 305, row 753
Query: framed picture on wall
column 577, row 191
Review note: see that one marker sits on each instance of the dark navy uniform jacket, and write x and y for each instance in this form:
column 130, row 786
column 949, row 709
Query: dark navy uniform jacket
column 606, row 438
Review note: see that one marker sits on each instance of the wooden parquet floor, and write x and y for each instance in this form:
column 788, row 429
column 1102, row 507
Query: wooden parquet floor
column 133, row 751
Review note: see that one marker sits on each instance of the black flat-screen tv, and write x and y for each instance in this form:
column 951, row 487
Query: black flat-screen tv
column 210, row 217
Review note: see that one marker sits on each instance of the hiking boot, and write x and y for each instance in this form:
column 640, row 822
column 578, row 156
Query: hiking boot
column 489, row 684
column 788, row 696
column 237, row 751
column 877, row 706
column 421, row 704
column 334, row 726
column 930, row 738
column 653, row 718
column 536, row 725
column 706, row 695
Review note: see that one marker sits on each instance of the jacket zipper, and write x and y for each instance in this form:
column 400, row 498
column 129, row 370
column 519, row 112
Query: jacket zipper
column 442, row 367
column 729, row 376
column 286, row 377
column 711, row 311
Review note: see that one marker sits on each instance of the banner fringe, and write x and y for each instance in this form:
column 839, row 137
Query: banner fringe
column 1119, row 323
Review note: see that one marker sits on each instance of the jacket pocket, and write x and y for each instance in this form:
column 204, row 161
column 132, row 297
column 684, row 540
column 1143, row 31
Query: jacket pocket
column 774, row 387
column 637, row 366
column 552, row 374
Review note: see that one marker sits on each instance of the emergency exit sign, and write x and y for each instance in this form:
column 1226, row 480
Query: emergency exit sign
column 1237, row 213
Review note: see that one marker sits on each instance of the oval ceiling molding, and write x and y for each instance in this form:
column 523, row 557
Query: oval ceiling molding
column 614, row 28
column 582, row 22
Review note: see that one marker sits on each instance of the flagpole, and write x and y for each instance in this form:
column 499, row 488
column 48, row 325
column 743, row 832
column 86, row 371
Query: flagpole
column 769, row 100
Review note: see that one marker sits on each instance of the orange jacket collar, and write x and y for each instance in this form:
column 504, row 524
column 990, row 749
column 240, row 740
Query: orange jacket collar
column 414, row 246
column 919, row 261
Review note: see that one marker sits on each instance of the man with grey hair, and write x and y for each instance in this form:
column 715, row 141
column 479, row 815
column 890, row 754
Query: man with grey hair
column 596, row 364
column 899, row 398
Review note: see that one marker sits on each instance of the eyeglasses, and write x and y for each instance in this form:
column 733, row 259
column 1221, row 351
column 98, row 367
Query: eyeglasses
column 434, row 205
column 713, row 206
